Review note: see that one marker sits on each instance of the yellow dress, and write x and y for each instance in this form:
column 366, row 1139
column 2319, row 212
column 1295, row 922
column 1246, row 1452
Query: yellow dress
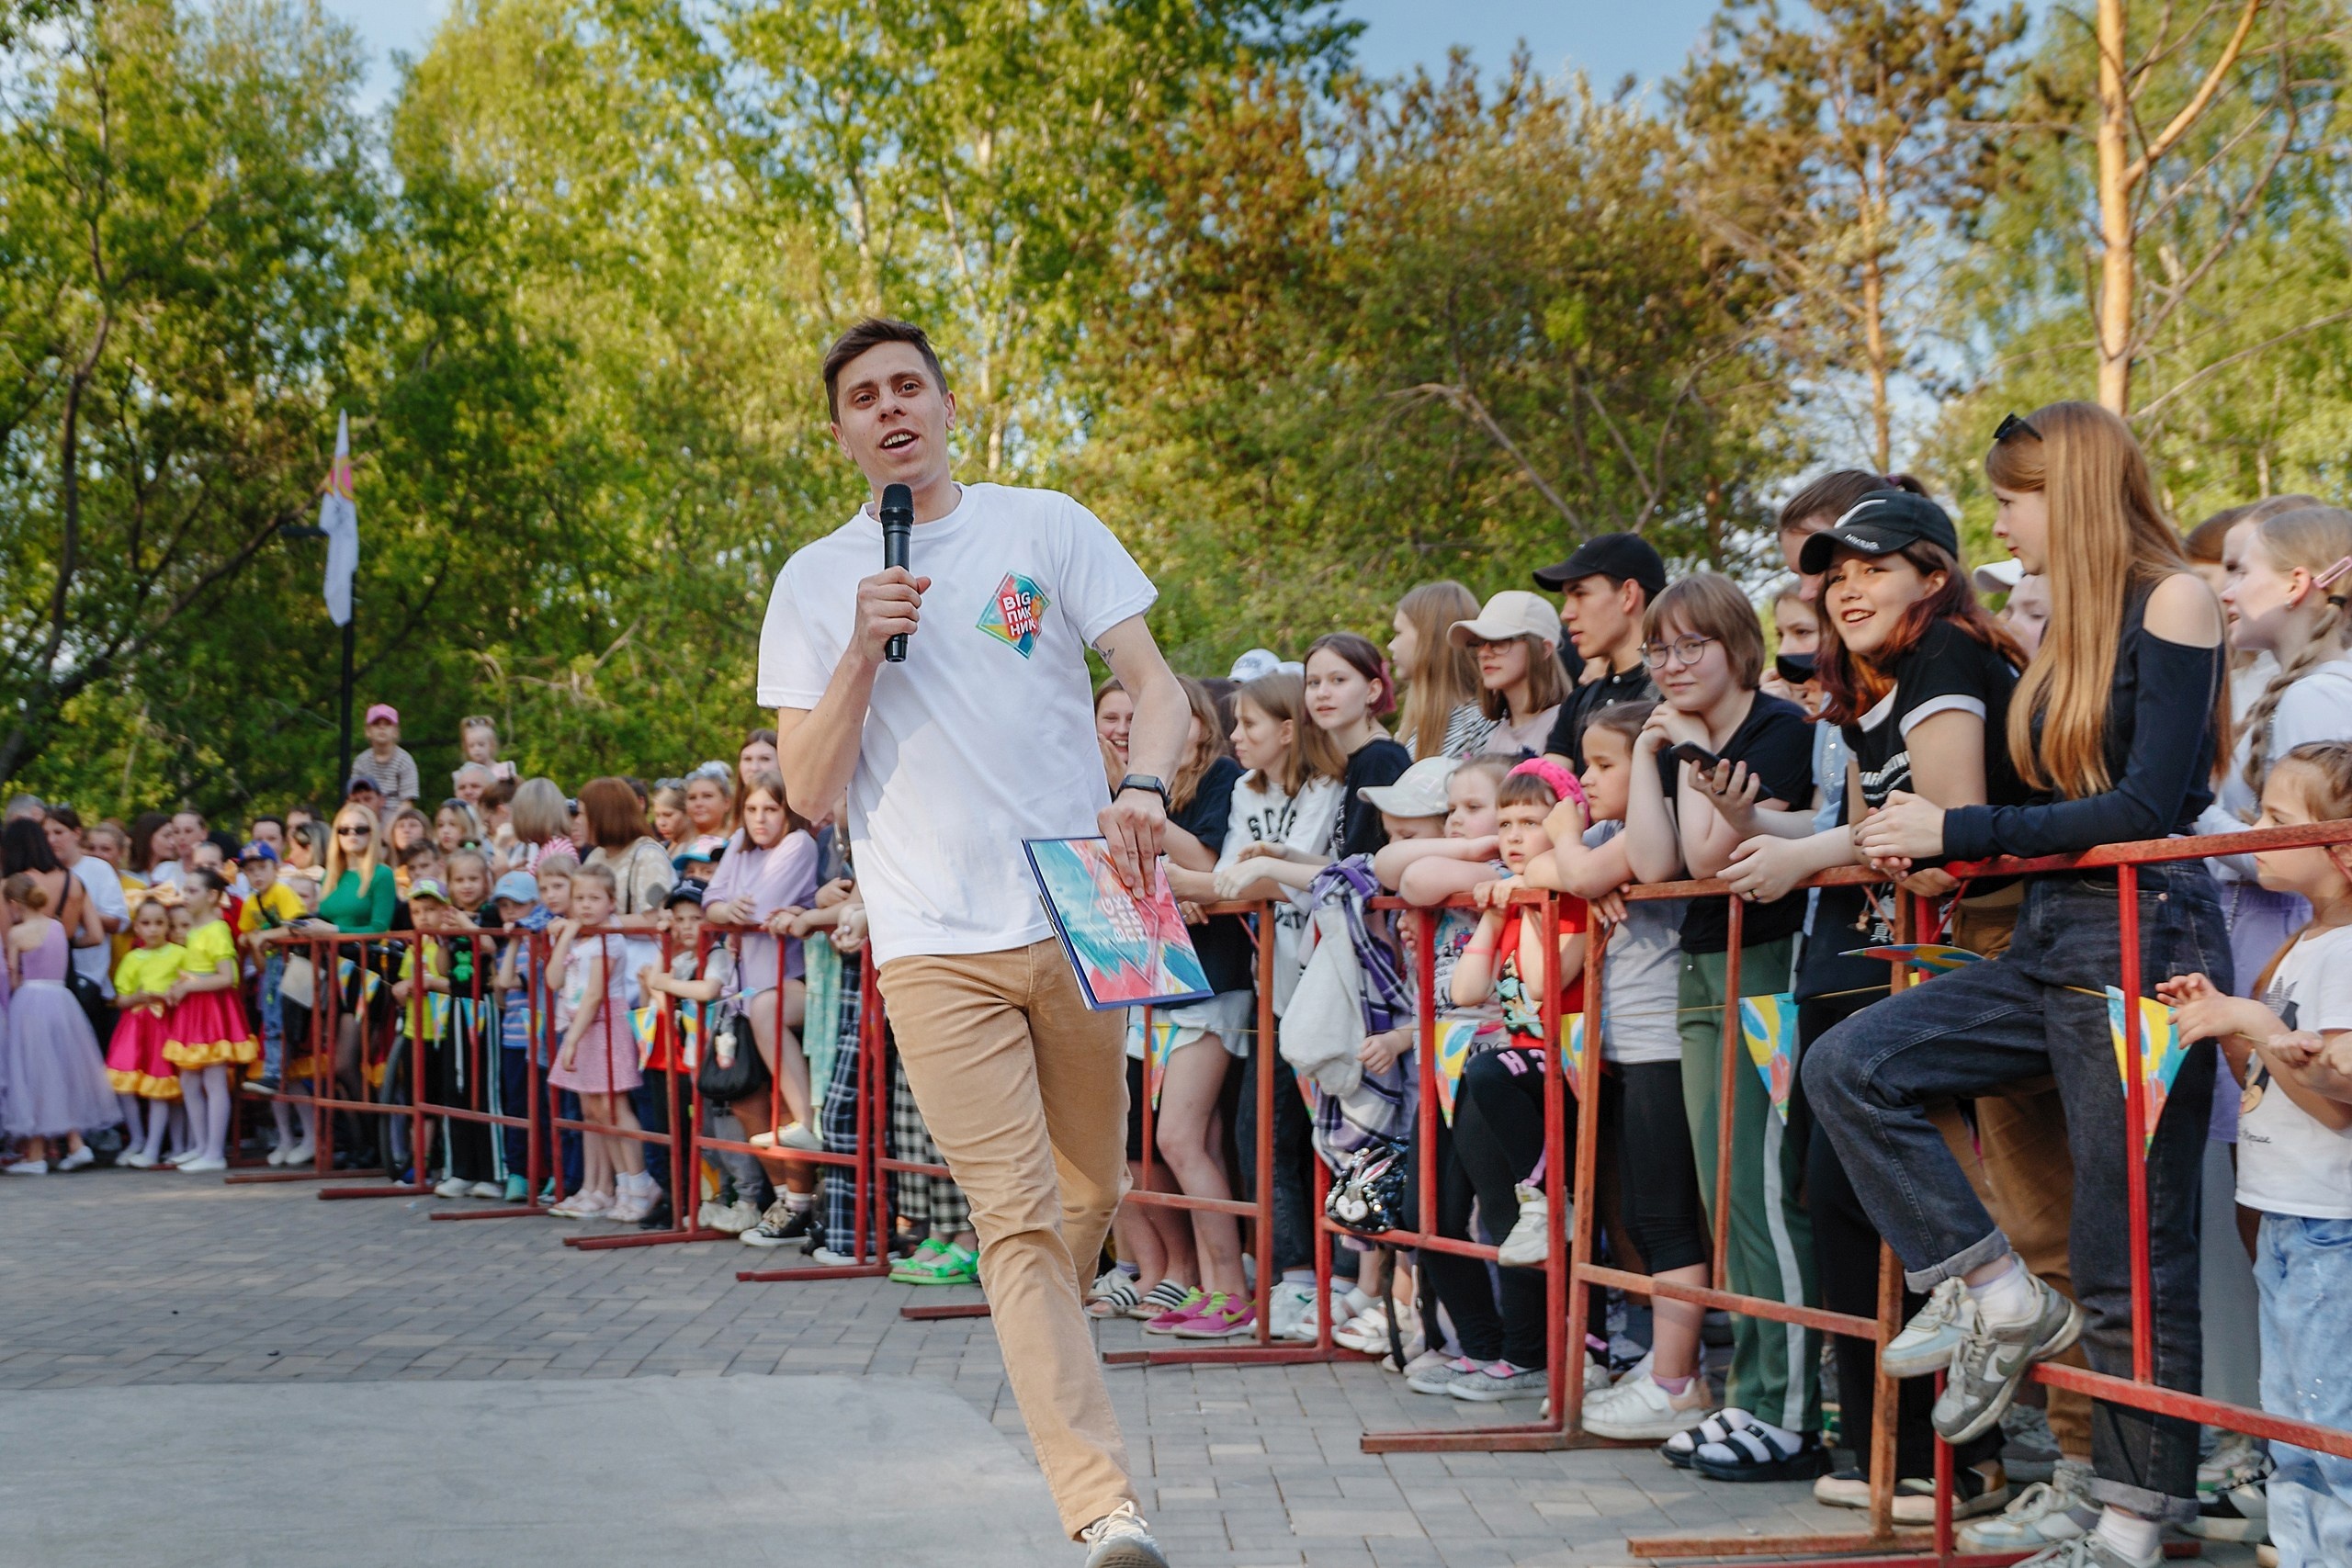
column 136, row 1062
column 209, row 1026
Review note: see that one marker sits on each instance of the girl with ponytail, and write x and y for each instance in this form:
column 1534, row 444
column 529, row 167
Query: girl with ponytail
column 2286, row 578
column 2113, row 729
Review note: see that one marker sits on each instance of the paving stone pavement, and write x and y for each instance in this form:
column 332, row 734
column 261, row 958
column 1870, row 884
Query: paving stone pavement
column 116, row 1278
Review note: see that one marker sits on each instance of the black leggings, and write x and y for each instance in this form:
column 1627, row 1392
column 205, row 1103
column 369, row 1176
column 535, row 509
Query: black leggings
column 1845, row 1258
column 1658, row 1170
column 448, row 1070
column 1496, row 1139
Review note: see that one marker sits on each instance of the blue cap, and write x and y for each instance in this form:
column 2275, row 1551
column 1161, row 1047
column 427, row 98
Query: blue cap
column 516, row 887
column 257, row 850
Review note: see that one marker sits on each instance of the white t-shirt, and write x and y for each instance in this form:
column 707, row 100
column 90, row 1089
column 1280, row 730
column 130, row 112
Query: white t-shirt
column 101, row 886
column 1262, row 814
column 2316, row 707
column 985, row 736
column 2287, row 1163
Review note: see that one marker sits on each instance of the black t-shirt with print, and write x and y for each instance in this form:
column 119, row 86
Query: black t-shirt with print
column 1224, row 943
column 1776, row 743
column 1633, row 685
column 1375, row 762
column 1946, row 670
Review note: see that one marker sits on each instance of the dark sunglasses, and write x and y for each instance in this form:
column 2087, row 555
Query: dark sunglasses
column 357, row 830
column 2012, row 426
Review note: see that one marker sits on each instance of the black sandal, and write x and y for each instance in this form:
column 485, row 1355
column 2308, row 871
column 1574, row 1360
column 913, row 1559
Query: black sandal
column 1755, row 1454
column 1681, row 1449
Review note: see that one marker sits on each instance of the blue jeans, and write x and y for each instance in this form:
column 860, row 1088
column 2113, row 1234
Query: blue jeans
column 1962, row 1034
column 273, row 1027
column 2303, row 1269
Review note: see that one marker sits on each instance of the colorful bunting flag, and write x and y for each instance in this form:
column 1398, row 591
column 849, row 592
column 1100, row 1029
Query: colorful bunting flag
column 1929, row 957
column 2161, row 1054
column 1768, row 1025
column 1153, row 1033
column 1453, row 1039
column 1573, row 1046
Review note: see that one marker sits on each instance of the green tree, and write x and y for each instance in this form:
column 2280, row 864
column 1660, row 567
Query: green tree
column 1837, row 152
column 186, row 195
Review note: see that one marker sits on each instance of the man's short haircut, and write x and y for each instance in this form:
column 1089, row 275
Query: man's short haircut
column 871, row 332
column 1709, row 604
column 272, row 816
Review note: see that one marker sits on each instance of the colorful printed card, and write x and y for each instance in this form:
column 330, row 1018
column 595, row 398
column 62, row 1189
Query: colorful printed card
column 1573, row 1045
column 1157, row 1038
column 1768, row 1025
column 2161, row 1052
column 1127, row 951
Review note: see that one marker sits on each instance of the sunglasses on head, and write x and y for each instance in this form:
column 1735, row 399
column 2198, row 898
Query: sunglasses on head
column 2011, row 425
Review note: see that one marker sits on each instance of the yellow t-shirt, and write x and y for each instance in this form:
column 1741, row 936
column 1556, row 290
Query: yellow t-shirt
column 207, row 946
column 281, row 903
column 148, row 971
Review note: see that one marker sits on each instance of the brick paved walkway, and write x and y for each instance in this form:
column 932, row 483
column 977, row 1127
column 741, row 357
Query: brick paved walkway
column 117, row 1277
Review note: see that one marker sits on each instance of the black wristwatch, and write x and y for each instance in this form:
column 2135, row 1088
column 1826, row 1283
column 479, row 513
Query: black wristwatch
column 1144, row 781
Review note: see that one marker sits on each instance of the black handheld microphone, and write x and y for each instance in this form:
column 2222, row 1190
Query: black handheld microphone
column 898, row 513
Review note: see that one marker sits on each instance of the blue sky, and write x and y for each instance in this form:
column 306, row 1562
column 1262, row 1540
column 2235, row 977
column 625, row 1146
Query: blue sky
column 1606, row 37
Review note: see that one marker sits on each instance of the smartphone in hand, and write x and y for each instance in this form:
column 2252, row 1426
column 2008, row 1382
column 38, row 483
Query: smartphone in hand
column 1698, row 756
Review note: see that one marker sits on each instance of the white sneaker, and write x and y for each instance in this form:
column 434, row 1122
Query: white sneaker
column 136, row 1159
column 486, row 1189
column 2046, row 1514
column 30, row 1168
column 829, row 1259
column 78, row 1158
column 1637, row 1409
column 791, row 1136
column 454, row 1186
column 277, row 1155
column 1529, row 1245
column 1118, row 1540
column 1287, row 1302
column 202, row 1166
column 736, row 1217
column 302, row 1152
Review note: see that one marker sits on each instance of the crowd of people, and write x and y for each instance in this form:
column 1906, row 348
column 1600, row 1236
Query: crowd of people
column 2134, row 684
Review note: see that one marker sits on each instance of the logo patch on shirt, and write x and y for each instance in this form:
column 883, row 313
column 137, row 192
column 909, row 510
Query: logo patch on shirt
column 1014, row 616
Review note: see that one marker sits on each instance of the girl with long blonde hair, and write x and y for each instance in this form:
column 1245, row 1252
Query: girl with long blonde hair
column 1438, row 714
column 2114, row 727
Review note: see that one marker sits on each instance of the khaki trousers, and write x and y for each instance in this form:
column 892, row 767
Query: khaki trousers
column 1024, row 1089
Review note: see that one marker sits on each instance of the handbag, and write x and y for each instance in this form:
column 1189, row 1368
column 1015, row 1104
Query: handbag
column 732, row 1069
column 1369, row 1195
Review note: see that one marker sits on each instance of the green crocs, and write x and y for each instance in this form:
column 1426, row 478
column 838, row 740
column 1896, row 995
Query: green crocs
column 913, row 1268
column 946, row 1265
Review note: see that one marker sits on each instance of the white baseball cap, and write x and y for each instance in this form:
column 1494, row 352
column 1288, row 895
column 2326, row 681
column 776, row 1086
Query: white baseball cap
column 1420, row 790
column 1256, row 663
column 1998, row 576
column 1512, row 613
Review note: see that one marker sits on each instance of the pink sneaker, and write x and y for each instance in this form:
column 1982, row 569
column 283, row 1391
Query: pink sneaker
column 1220, row 1317
column 1180, row 1313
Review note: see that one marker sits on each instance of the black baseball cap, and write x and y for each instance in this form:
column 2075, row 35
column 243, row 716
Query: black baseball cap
column 1619, row 557
column 1879, row 524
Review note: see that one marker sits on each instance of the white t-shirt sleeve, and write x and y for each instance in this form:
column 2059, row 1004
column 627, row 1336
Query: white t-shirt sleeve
column 1103, row 583
column 791, row 674
column 2322, row 984
column 2318, row 707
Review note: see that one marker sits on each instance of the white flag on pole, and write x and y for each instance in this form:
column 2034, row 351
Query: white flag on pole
column 339, row 520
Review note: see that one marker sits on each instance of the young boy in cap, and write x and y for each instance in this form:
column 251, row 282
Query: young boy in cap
column 384, row 764
column 271, row 905
column 1605, row 587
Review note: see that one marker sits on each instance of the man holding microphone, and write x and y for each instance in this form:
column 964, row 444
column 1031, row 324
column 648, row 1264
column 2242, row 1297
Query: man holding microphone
column 982, row 737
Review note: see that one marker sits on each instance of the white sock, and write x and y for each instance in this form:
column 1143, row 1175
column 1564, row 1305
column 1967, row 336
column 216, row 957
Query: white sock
column 798, row 1203
column 2135, row 1538
column 2009, row 1297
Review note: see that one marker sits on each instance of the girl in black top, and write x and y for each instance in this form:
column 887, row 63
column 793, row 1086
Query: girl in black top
column 1918, row 678
column 1348, row 693
column 2113, row 729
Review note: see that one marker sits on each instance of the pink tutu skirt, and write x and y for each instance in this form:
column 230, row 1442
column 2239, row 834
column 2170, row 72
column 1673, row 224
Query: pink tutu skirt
column 207, row 1028
column 135, row 1059
column 55, row 1081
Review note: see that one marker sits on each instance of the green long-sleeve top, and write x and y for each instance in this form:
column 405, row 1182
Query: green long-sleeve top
column 349, row 910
